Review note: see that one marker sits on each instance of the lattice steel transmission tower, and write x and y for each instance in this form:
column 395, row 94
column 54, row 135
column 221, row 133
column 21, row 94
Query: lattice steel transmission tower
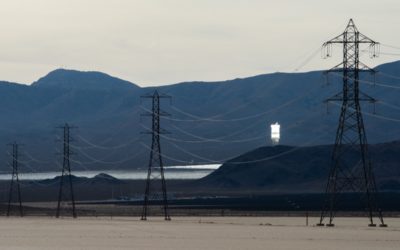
column 66, row 172
column 14, row 178
column 155, row 172
column 351, row 170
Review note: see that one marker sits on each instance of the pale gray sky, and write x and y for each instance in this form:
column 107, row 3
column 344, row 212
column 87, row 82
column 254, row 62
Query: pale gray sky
column 152, row 42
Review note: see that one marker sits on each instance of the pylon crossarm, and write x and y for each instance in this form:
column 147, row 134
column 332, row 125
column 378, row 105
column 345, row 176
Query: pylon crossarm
column 335, row 40
column 365, row 39
column 365, row 97
column 337, row 68
column 364, row 68
column 335, row 98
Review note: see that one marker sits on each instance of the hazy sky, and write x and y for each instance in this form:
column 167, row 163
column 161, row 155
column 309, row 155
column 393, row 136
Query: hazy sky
column 152, row 42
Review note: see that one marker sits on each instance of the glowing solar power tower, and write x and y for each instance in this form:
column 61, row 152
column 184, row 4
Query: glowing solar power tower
column 351, row 169
column 275, row 133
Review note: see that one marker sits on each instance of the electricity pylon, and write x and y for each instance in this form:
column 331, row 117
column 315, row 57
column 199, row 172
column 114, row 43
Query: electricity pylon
column 66, row 172
column 14, row 178
column 351, row 169
column 155, row 172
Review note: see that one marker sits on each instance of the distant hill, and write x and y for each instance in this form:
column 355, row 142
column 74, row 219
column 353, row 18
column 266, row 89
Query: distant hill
column 98, row 179
column 298, row 169
column 73, row 79
column 211, row 121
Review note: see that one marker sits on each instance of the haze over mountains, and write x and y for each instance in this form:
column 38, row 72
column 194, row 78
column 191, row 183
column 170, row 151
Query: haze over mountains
column 211, row 121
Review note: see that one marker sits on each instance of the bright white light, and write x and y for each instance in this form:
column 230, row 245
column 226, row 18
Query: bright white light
column 275, row 133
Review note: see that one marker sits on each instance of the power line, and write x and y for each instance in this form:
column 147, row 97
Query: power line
column 208, row 161
column 376, row 115
column 35, row 159
column 368, row 82
column 308, row 59
column 388, row 75
column 231, row 161
column 390, row 54
column 221, row 139
column 210, row 119
column 97, row 146
column 390, row 46
column 255, row 99
column 389, row 105
column 95, row 160
column 215, row 141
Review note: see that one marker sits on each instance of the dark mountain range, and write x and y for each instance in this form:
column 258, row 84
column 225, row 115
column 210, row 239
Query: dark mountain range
column 210, row 122
column 298, row 169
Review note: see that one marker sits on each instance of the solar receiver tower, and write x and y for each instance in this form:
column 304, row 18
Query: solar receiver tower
column 275, row 133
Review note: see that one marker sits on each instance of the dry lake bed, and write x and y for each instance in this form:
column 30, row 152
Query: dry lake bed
column 195, row 233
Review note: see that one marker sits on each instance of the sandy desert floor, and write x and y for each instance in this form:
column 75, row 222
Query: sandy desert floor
column 195, row 233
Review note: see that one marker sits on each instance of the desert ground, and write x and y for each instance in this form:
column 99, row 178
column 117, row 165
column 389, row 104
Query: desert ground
column 195, row 233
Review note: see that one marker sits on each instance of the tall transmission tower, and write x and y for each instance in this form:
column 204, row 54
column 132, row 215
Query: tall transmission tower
column 66, row 172
column 351, row 169
column 14, row 178
column 155, row 172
